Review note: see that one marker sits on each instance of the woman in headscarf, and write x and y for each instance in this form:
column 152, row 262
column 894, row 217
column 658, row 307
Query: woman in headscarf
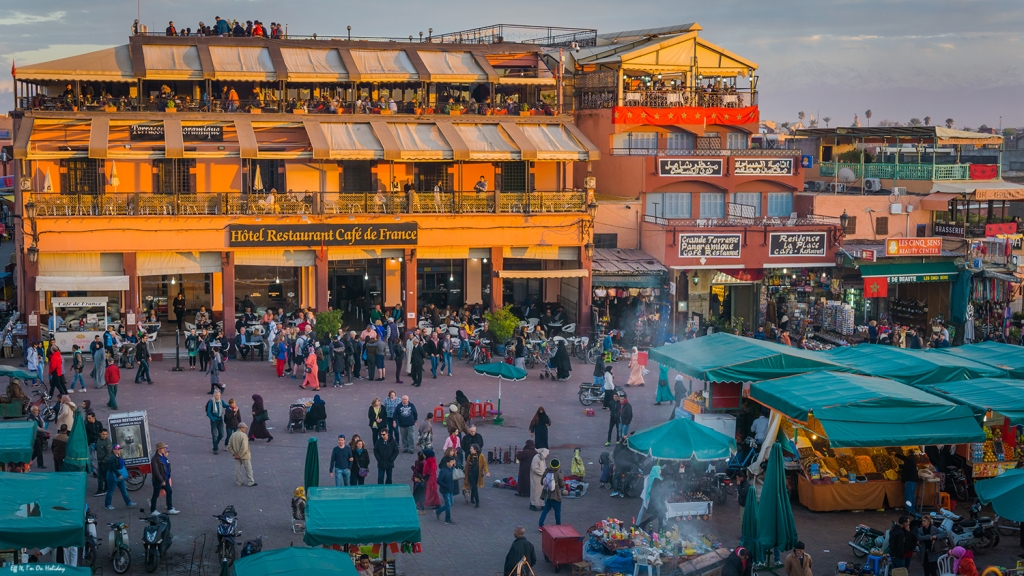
column 465, row 406
column 425, row 433
column 560, row 362
column 312, row 371
column 664, row 393
column 964, row 563
column 538, row 467
column 636, row 371
column 525, row 458
column 299, row 504
column 317, row 413
column 432, row 498
column 258, row 428
column 539, row 428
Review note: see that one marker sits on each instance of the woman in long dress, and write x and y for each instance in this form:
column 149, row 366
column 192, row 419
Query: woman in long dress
column 432, row 498
column 664, row 392
column 312, row 371
column 539, row 428
column 258, row 429
column 525, row 458
column 636, row 371
column 561, row 363
column 537, row 469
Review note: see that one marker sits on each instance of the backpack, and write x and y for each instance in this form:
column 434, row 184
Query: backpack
column 549, row 482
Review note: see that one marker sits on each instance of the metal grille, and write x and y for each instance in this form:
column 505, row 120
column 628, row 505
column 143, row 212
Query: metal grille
column 882, row 225
column 513, row 177
column 428, row 174
column 851, row 225
column 356, row 176
column 174, row 176
column 606, row 240
column 83, row 177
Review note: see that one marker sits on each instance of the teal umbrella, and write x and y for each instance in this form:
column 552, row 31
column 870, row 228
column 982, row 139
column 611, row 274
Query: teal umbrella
column 775, row 525
column 76, row 458
column 295, row 560
column 311, row 478
column 501, row 371
column 1006, row 494
column 682, row 439
column 748, row 530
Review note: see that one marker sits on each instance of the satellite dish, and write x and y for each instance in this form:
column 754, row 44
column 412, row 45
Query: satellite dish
column 847, row 176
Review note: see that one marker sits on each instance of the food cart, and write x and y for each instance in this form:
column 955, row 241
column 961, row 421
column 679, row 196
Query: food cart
column 16, row 440
column 131, row 431
column 40, row 511
column 84, row 318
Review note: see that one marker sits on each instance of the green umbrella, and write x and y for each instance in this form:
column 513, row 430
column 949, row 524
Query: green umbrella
column 501, row 371
column 16, row 440
column 15, row 372
column 775, row 525
column 1006, row 494
column 748, row 534
column 77, row 457
column 682, row 439
column 311, row 478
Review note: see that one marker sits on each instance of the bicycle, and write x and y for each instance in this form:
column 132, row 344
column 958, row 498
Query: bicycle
column 956, row 483
column 1006, row 526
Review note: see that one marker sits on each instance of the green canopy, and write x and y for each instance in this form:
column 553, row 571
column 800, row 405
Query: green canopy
column 1004, row 356
column 723, row 357
column 15, row 372
column 1006, row 494
column 776, row 527
column 501, row 370
column 16, row 439
column 748, row 527
column 287, row 561
column 682, row 439
column 77, row 456
column 42, row 510
column 912, row 367
column 1001, row 395
column 860, row 411
column 53, row 569
column 365, row 515
column 311, row 475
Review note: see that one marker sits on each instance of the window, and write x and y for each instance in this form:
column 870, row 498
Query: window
column 173, row 176
column 736, row 141
column 356, row 176
column 712, row 205
column 710, row 141
column 513, row 177
column 681, row 141
column 882, row 225
column 851, row 226
column 642, row 141
column 606, row 240
column 82, row 177
column 780, row 204
column 655, row 205
column 430, row 173
column 749, row 199
column 677, row 205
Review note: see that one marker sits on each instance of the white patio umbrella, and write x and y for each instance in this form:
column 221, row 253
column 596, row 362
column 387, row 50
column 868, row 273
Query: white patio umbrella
column 114, row 180
column 257, row 182
column 47, row 183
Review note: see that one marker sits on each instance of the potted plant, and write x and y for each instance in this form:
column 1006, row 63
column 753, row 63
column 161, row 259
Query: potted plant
column 327, row 324
column 255, row 110
column 171, row 107
column 429, row 111
column 524, row 109
column 503, row 324
column 455, row 110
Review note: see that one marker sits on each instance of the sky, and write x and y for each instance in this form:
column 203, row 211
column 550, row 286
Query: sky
column 959, row 59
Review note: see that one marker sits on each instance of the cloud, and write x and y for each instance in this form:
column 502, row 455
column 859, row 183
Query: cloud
column 17, row 18
column 947, row 46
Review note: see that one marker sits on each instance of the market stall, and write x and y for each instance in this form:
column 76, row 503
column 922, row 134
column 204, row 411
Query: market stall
column 630, row 294
column 370, row 520
column 850, row 431
column 1004, row 356
column 612, row 546
column 40, row 511
column 287, row 561
column 16, row 439
column 83, row 318
column 914, row 367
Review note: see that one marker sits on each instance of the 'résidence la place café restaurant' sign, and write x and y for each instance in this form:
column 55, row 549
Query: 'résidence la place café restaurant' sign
column 397, row 234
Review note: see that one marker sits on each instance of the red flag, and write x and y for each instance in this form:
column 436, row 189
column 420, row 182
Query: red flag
column 876, row 287
column 14, row 69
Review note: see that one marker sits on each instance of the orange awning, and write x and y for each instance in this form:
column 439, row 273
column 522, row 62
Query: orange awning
column 937, row 201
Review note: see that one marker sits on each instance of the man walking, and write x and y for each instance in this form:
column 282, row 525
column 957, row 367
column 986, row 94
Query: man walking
column 143, row 356
column 112, row 376
column 385, row 450
column 798, row 563
column 238, row 445
column 551, row 493
column 117, row 476
column 625, row 416
column 341, row 463
column 406, row 417
column 104, row 447
column 77, row 366
column 215, row 408
column 615, row 410
column 161, row 478
column 521, row 550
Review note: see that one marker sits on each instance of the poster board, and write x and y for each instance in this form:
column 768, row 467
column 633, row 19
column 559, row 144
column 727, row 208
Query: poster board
column 131, row 431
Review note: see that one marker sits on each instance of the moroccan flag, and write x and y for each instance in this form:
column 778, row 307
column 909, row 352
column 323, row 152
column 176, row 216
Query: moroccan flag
column 14, row 69
column 876, row 287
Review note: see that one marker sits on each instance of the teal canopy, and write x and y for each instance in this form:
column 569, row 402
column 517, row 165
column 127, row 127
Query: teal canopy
column 288, row 561
column 748, row 526
column 1006, row 494
column 76, row 458
column 1004, row 356
column 864, row 412
column 500, row 370
column 15, row 372
column 682, row 439
column 776, row 527
column 16, row 440
column 366, row 515
column 42, row 510
column 1000, row 395
column 912, row 367
column 723, row 357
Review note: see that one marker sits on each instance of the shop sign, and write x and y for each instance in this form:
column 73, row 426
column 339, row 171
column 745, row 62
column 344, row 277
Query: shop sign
column 690, row 167
column 763, row 167
column 913, row 247
column 797, row 244
column 869, row 255
column 201, row 133
column 913, row 278
column 130, row 430
column 709, row 245
column 992, row 230
column 948, row 230
column 314, row 235
column 1014, row 239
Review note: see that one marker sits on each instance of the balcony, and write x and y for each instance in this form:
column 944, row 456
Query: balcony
column 899, row 171
column 327, row 203
column 749, row 152
column 738, row 221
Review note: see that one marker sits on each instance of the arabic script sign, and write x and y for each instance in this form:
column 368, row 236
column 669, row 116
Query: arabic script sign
column 689, row 167
column 801, row 244
column 709, row 245
column 763, row 167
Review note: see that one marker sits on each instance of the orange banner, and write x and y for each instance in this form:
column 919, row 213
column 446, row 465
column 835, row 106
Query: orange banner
column 913, row 247
column 685, row 115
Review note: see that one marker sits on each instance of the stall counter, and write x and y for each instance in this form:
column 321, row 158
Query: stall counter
column 858, row 495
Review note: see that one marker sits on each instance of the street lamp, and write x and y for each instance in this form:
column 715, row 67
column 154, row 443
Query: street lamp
column 33, row 253
column 844, row 219
column 30, row 210
column 589, row 249
column 592, row 209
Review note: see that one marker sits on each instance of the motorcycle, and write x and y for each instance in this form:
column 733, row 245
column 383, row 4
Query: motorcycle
column 120, row 551
column 156, row 538
column 866, row 538
column 91, row 542
column 973, row 533
column 590, row 393
column 227, row 531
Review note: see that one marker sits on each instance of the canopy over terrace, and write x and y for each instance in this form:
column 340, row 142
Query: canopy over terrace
column 16, row 439
column 723, row 357
column 864, row 412
column 914, row 367
column 42, row 510
column 1002, row 356
column 373, row 515
column 1000, row 395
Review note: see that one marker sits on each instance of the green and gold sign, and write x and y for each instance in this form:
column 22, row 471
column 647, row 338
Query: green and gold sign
column 313, row 235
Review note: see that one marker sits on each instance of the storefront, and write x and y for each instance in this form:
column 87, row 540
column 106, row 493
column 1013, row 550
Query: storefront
column 164, row 275
column 910, row 293
column 631, row 295
column 989, row 313
column 77, row 275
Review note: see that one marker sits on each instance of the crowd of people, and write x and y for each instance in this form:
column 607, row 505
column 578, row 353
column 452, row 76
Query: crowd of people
column 221, row 27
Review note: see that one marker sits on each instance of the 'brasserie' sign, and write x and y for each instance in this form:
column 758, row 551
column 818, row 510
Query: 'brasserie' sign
column 709, row 245
column 689, row 167
column 314, row 235
column 763, row 166
column 797, row 244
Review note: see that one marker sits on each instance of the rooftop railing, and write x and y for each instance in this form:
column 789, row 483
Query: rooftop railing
column 899, row 171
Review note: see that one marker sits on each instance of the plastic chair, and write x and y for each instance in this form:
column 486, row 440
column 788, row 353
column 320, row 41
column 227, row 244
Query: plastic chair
column 646, row 558
column 945, row 564
column 476, row 410
column 944, row 501
column 438, row 413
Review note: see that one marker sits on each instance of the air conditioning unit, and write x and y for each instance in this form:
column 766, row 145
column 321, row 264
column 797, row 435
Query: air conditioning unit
column 899, row 190
column 815, row 186
column 872, row 185
column 896, row 208
column 837, row 187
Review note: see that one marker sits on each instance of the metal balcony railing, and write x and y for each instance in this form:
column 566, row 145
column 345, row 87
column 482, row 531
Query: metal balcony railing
column 899, row 171
column 775, row 221
column 747, row 152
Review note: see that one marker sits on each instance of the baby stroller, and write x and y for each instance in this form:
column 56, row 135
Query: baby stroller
column 296, row 417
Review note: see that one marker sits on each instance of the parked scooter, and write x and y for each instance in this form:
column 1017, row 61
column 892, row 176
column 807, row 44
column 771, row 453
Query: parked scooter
column 120, row 551
column 91, row 542
column 227, row 532
column 866, row 538
column 156, row 538
column 974, row 533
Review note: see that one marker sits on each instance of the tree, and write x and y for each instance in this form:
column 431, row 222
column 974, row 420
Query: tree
column 888, row 123
column 927, row 120
column 327, row 324
column 915, row 122
column 1009, row 133
column 826, row 120
column 950, row 123
column 801, row 115
column 982, row 128
column 867, row 114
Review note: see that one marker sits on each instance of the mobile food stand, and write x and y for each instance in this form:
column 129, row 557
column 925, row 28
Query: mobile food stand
column 370, row 520
column 16, row 440
column 40, row 511
column 852, row 433
column 84, row 319
column 1004, row 356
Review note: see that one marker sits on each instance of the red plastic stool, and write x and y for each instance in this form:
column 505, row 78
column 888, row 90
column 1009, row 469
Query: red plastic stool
column 488, row 409
column 438, row 413
column 476, row 410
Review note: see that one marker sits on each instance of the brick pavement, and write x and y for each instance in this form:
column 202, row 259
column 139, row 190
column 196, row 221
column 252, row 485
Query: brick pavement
column 477, row 543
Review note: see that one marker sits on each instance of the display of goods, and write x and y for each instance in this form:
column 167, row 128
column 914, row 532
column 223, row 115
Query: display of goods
column 883, row 462
column 805, row 452
column 891, row 475
column 848, row 464
column 832, row 464
column 843, row 452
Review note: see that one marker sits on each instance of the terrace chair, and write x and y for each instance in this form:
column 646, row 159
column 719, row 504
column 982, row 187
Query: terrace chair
column 792, row 219
column 945, row 565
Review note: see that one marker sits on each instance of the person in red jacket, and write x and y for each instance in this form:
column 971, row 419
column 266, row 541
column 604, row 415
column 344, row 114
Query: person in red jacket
column 57, row 371
column 112, row 375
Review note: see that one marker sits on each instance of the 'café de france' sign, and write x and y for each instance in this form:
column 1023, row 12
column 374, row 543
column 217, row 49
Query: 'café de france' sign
column 709, row 245
column 689, row 167
column 763, row 166
column 797, row 244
